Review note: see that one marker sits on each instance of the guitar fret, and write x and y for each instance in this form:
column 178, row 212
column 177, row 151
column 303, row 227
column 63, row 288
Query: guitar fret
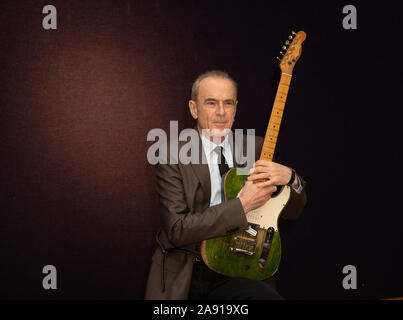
column 265, row 157
column 277, row 113
column 271, row 136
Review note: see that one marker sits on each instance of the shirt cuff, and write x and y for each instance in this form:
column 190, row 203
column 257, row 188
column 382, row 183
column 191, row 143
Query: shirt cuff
column 299, row 189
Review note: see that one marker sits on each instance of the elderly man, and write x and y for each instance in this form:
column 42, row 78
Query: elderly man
column 193, row 208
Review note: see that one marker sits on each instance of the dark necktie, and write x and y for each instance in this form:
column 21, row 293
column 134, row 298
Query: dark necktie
column 222, row 164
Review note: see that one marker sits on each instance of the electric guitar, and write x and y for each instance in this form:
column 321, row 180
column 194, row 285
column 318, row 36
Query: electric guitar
column 256, row 252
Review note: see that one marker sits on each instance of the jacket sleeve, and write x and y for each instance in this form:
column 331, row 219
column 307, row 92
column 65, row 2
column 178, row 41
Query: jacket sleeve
column 296, row 204
column 184, row 227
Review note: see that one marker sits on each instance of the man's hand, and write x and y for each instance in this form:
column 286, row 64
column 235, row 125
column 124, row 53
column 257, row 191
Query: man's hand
column 277, row 173
column 255, row 195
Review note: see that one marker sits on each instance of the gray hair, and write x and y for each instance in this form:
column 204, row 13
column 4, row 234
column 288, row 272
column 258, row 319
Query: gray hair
column 213, row 73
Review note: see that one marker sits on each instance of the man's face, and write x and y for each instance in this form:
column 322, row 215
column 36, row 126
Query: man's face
column 215, row 107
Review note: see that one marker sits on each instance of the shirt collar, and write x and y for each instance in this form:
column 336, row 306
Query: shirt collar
column 209, row 146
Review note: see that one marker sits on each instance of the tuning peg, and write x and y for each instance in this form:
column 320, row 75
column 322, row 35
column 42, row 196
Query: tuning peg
column 281, row 53
column 293, row 32
column 284, row 48
column 290, row 37
column 278, row 59
column 287, row 42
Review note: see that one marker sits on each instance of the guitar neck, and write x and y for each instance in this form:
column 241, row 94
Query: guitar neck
column 276, row 116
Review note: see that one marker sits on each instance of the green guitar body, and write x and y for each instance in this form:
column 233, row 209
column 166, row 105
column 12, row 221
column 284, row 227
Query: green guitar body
column 220, row 253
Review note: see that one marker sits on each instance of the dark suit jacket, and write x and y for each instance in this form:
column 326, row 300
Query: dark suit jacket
column 184, row 195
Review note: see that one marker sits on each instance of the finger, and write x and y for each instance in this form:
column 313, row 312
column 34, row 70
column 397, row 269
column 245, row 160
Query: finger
column 263, row 163
column 269, row 189
column 261, row 169
column 265, row 184
column 270, row 177
column 268, row 195
column 257, row 176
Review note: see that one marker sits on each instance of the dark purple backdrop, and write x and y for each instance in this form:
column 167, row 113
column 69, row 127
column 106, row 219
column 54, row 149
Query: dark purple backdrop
column 77, row 104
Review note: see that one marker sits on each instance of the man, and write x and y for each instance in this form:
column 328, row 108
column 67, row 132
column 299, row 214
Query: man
column 193, row 208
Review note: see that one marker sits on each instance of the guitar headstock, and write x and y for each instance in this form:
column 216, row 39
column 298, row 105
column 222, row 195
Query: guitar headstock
column 293, row 51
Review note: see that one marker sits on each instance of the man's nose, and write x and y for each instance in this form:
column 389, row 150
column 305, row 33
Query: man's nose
column 220, row 110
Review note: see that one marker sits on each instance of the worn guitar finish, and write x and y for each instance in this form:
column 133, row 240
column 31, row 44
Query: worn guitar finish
column 256, row 252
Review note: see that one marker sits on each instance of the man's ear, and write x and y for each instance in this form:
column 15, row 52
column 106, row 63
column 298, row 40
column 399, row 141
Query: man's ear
column 193, row 109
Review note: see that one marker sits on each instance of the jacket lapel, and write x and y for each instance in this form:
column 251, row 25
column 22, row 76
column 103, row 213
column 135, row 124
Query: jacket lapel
column 201, row 169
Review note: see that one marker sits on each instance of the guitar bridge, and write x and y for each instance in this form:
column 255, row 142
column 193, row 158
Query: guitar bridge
column 242, row 251
column 245, row 243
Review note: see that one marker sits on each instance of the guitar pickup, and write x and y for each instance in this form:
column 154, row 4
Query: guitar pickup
column 246, row 241
column 251, row 232
column 242, row 251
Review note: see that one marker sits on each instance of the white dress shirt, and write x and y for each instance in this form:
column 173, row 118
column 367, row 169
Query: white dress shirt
column 212, row 161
